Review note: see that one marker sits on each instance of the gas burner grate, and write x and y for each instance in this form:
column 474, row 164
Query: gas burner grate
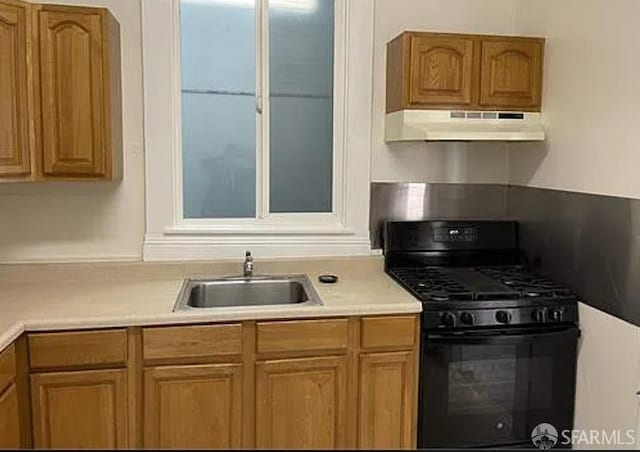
column 529, row 285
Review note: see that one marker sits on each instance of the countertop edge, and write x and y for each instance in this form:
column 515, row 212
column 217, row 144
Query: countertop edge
column 172, row 318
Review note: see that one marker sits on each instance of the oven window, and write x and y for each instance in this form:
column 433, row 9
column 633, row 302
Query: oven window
column 499, row 385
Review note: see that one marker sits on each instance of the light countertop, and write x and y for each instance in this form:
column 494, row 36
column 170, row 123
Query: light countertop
column 52, row 297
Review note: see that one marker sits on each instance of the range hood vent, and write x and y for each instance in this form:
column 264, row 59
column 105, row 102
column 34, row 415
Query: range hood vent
column 443, row 125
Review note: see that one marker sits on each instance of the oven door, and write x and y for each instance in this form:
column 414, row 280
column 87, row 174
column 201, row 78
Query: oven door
column 492, row 387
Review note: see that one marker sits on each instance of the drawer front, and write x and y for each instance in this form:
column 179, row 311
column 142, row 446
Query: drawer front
column 192, row 341
column 303, row 335
column 388, row 332
column 78, row 349
column 7, row 367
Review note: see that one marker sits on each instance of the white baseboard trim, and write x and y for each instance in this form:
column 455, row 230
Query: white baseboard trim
column 187, row 249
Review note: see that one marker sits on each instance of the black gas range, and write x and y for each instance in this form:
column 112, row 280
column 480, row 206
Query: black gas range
column 498, row 340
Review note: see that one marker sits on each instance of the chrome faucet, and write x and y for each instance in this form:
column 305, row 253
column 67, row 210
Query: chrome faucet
column 248, row 265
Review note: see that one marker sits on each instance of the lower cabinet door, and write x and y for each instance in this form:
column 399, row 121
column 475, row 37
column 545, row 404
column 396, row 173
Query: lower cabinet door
column 79, row 410
column 9, row 425
column 193, row 407
column 301, row 403
column 387, row 401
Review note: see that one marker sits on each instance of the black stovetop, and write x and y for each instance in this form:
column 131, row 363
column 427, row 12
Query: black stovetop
column 511, row 282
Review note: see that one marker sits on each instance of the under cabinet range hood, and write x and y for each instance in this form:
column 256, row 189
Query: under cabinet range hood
column 445, row 125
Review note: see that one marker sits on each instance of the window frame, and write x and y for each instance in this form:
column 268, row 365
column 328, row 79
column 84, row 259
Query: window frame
column 343, row 231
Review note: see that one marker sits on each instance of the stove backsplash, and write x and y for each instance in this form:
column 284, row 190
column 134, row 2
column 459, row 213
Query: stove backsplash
column 419, row 201
column 589, row 242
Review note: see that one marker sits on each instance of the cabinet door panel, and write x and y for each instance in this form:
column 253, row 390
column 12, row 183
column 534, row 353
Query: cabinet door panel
column 511, row 74
column 73, row 92
column 79, row 410
column 193, row 407
column 301, row 403
column 9, row 427
column 387, row 401
column 441, row 70
column 14, row 111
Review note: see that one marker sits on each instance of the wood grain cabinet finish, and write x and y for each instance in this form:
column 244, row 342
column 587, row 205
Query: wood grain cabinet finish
column 75, row 88
column 15, row 153
column 464, row 72
column 441, row 70
column 193, row 407
column 79, row 410
column 511, row 74
column 387, row 401
column 301, row 403
column 60, row 93
column 9, row 419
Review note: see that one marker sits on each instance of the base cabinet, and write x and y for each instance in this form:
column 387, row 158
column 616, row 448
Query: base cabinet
column 79, row 410
column 301, row 403
column 9, row 424
column 193, row 407
column 387, row 393
column 339, row 383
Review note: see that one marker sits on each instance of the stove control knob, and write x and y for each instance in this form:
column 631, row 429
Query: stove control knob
column 467, row 318
column 554, row 315
column 448, row 319
column 503, row 317
column 537, row 315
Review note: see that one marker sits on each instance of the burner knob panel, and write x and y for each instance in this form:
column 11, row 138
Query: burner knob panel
column 448, row 319
column 537, row 315
column 467, row 318
column 503, row 317
column 555, row 315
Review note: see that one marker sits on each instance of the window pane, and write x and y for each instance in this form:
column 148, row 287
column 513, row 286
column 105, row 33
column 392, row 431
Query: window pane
column 301, row 105
column 218, row 108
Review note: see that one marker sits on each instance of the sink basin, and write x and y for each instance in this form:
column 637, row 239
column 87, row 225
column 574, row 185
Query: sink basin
column 239, row 291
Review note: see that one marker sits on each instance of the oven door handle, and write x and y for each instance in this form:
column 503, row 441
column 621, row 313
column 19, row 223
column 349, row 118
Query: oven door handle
column 501, row 336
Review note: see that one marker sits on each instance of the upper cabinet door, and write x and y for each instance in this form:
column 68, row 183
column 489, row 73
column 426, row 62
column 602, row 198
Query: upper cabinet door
column 511, row 74
column 441, row 70
column 74, row 90
column 14, row 111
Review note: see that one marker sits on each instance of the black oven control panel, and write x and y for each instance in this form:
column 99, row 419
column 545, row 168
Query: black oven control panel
column 496, row 317
column 455, row 235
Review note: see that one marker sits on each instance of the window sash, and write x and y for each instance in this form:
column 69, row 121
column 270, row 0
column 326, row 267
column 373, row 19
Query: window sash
column 264, row 219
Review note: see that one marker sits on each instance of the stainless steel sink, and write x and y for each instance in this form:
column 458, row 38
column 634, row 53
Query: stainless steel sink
column 240, row 291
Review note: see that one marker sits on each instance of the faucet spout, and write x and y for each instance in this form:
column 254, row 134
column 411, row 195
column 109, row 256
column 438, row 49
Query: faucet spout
column 247, row 267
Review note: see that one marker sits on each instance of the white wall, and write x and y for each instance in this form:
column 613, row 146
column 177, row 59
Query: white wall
column 591, row 97
column 434, row 162
column 86, row 221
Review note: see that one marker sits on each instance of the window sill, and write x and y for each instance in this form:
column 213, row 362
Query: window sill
column 183, row 245
column 252, row 229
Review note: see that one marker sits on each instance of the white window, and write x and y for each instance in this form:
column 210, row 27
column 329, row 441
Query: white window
column 257, row 127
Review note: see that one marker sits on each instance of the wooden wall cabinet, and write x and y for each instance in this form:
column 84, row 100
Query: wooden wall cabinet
column 60, row 93
column 464, row 72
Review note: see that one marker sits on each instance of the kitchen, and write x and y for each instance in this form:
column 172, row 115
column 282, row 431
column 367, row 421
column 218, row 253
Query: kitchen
column 74, row 251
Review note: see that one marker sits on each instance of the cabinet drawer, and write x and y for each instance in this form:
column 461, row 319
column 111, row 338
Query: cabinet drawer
column 388, row 332
column 192, row 341
column 7, row 367
column 302, row 335
column 78, row 348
